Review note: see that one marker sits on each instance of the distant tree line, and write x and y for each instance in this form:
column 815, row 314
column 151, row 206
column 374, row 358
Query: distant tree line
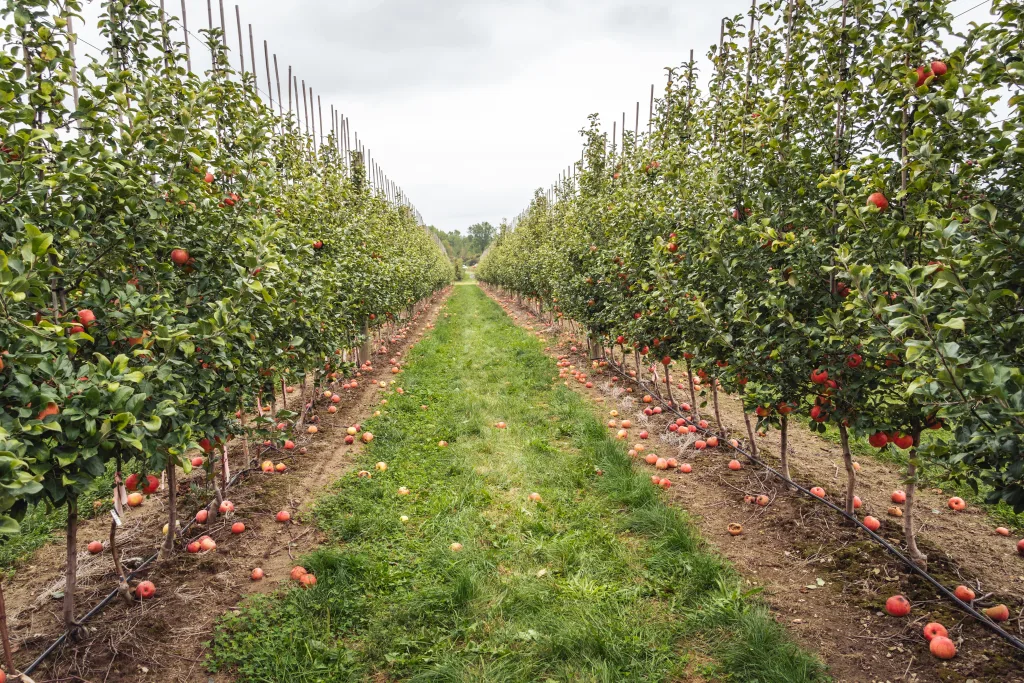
column 467, row 248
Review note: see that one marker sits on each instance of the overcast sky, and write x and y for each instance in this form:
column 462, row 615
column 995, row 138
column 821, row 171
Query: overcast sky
column 470, row 105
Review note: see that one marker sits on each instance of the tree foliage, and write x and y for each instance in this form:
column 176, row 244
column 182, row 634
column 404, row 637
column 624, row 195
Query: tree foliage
column 844, row 197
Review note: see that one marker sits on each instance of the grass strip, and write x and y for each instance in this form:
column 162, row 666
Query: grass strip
column 598, row 581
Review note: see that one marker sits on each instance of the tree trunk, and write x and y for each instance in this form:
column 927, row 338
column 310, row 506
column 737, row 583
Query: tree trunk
column 750, row 433
column 693, row 395
column 167, row 549
column 123, row 589
column 72, row 564
column 919, row 558
column 851, row 474
column 8, row 660
column 668, row 387
column 722, row 431
column 783, row 449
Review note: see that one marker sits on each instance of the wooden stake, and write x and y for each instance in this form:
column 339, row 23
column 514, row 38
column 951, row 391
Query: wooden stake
column 223, row 26
column 650, row 113
column 270, row 86
column 312, row 117
column 289, row 86
column 252, row 60
column 636, row 126
column 277, row 77
column 305, row 107
column 320, row 115
column 184, row 28
column 241, row 43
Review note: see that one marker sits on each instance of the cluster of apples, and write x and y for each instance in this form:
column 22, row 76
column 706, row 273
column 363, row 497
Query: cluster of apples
column 939, row 642
column 353, row 431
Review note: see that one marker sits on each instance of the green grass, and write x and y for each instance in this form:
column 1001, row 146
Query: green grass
column 598, row 582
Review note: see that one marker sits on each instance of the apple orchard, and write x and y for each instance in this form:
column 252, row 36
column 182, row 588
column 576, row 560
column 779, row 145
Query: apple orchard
column 832, row 229
column 827, row 224
column 173, row 252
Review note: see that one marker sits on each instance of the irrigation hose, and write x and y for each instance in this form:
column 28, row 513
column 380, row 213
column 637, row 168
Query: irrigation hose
column 893, row 550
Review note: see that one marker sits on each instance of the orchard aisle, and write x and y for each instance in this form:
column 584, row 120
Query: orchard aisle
column 468, row 576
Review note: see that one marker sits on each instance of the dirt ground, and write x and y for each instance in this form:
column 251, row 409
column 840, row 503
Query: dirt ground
column 163, row 639
column 823, row 579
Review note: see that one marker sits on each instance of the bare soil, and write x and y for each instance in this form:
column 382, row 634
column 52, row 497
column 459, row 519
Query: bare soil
column 822, row 578
column 163, row 639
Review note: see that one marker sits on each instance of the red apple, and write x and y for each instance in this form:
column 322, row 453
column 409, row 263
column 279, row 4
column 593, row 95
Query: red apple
column 179, row 257
column 897, row 606
column 879, row 200
column 934, row 629
column 878, row 439
column 145, row 590
column 964, row 593
column 942, row 647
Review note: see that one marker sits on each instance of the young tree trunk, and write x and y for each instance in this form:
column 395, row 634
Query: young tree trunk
column 783, row 449
column 8, row 660
column 919, row 558
column 72, row 564
column 225, row 469
column 668, row 387
column 123, row 589
column 750, row 433
column 693, row 395
column 167, row 549
column 719, row 425
column 851, row 474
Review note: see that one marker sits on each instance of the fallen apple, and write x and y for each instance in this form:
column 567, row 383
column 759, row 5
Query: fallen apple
column 897, row 606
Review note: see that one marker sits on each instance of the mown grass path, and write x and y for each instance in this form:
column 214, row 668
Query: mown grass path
column 598, row 581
